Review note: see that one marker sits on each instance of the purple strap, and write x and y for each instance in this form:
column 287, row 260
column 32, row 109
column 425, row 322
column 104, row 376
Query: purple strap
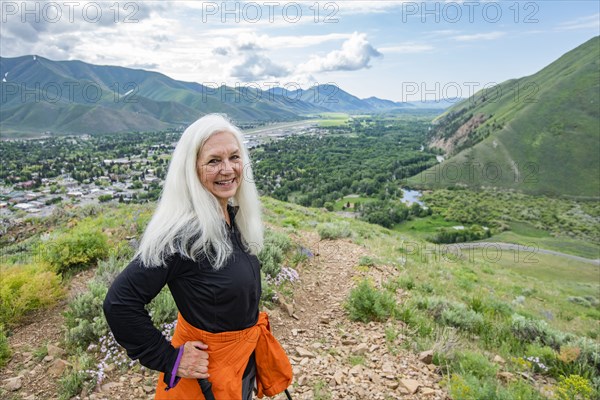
column 174, row 377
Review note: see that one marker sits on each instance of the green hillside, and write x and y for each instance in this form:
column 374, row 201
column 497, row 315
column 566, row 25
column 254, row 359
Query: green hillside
column 73, row 97
column 536, row 313
column 32, row 87
column 539, row 134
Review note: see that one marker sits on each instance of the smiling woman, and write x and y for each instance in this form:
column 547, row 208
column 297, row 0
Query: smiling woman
column 220, row 167
column 202, row 242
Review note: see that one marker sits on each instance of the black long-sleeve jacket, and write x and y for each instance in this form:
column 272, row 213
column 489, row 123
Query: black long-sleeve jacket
column 214, row 301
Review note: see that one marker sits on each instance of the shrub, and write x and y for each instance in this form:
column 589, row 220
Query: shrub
column 460, row 317
column 273, row 253
column 533, row 330
column 108, row 269
column 271, row 258
column 76, row 378
column 406, row 282
column 474, row 364
column 103, row 198
column 471, row 387
column 5, row 352
column 495, row 308
column 544, row 353
column 451, row 313
column 574, row 387
column 468, row 234
column 300, row 255
column 84, row 320
column 589, row 351
column 163, row 308
column 367, row 303
column 294, row 222
column 435, row 305
column 75, row 250
column 334, row 230
column 426, row 288
column 366, row 261
column 71, row 384
column 26, row 288
column 459, row 387
column 587, row 301
column 497, row 334
column 269, row 294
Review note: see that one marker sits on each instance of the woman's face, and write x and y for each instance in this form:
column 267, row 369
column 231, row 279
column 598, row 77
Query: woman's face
column 220, row 166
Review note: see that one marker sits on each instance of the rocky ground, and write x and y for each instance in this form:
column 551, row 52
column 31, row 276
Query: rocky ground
column 332, row 357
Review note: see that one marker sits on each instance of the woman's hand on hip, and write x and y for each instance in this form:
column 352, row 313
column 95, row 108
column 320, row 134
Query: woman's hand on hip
column 194, row 361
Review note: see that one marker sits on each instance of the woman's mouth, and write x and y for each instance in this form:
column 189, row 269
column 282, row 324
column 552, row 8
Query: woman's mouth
column 227, row 182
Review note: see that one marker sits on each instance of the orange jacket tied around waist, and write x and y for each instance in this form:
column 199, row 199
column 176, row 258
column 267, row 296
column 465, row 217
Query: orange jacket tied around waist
column 228, row 354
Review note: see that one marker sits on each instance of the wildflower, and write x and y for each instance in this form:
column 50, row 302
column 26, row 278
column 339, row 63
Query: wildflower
column 537, row 364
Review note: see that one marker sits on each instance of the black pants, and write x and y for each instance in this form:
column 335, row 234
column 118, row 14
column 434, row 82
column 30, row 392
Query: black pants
column 248, row 379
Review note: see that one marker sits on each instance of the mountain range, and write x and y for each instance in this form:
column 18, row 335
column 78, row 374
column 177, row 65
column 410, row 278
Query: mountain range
column 539, row 134
column 73, row 97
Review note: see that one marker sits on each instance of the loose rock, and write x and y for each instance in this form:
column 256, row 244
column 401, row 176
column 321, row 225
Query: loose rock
column 13, row 384
column 410, row 384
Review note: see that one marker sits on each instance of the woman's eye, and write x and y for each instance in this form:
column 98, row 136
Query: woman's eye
column 213, row 161
column 236, row 157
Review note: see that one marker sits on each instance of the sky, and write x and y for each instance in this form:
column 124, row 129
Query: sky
column 396, row 50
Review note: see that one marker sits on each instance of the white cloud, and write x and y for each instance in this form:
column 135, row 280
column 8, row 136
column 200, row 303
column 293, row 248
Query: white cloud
column 256, row 51
column 589, row 22
column 250, row 41
column 479, row 36
column 257, row 67
column 234, row 42
column 221, row 51
column 442, row 33
column 355, row 54
column 406, row 48
column 305, row 40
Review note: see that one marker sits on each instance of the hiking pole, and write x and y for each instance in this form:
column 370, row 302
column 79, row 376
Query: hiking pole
column 287, row 394
column 206, row 388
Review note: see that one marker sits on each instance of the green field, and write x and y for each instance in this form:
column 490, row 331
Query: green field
column 424, row 227
column 520, row 233
column 561, row 244
column 333, row 119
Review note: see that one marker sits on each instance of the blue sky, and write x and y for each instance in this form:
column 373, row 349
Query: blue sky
column 398, row 50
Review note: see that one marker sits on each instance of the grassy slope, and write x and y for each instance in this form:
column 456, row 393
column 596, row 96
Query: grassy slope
column 550, row 129
column 553, row 279
column 546, row 280
column 537, row 287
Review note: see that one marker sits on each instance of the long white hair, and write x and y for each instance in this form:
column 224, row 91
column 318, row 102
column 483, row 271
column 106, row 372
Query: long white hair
column 188, row 218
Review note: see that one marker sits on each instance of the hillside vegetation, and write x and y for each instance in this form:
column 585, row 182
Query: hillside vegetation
column 539, row 134
column 501, row 325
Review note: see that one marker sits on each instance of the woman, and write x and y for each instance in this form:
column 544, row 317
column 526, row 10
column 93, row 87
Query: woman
column 202, row 242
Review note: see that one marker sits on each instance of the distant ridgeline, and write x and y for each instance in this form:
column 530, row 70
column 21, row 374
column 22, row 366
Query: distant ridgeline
column 539, row 134
column 40, row 96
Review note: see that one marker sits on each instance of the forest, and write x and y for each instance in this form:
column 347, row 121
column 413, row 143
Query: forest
column 370, row 157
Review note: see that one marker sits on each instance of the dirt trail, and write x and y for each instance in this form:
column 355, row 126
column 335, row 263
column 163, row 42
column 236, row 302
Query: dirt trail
column 41, row 328
column 332, row 357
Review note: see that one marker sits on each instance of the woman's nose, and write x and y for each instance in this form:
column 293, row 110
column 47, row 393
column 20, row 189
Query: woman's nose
column 226, row 166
